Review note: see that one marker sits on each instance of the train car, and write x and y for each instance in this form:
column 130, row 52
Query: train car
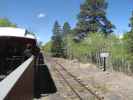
column 23, row 74
column 16, row 71
column 13, row 42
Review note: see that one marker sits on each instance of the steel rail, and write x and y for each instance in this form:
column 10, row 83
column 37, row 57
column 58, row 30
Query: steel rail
column 77, row 80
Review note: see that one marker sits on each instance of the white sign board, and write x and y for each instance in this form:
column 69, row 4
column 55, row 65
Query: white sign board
column 104, row 55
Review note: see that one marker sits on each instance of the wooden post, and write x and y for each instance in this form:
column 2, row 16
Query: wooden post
column 104, row 66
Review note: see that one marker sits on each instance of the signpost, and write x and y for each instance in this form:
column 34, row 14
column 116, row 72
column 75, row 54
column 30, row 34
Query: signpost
column 104, row 55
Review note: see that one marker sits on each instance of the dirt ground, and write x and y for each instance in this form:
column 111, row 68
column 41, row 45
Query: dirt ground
column 110, row 85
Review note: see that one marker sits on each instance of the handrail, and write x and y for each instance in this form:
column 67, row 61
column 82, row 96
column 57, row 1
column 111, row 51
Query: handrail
column 7, row 84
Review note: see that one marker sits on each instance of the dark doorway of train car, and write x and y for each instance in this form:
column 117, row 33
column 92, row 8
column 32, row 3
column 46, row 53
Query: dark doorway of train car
column 12, row 53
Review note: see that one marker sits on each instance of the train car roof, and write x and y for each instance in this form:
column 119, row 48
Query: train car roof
column 15, row 32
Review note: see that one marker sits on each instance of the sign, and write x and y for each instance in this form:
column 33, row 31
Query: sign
column 104, row 55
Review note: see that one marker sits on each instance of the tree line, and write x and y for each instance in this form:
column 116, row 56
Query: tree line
column 4, row 22
column 91, row 19
column 93, row 34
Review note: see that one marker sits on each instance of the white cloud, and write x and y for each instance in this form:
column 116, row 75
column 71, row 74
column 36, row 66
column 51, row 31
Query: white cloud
column 41, row 15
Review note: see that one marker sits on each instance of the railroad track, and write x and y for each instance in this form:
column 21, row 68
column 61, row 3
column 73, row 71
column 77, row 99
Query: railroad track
column 76, row 86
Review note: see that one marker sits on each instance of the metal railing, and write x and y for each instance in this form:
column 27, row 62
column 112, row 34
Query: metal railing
column 18, row 85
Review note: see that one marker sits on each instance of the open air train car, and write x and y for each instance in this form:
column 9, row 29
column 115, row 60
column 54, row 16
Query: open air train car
column 35, row 78
column 13, row 42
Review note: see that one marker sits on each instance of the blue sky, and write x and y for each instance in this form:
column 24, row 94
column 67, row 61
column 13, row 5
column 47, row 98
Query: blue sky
column 39, row 15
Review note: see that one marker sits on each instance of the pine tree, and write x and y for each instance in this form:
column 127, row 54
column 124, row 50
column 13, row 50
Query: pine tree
column 66, row 34
column 66, row 29
column 92, row 17
column 131, row 22
column 130, row 37
column 57, row 48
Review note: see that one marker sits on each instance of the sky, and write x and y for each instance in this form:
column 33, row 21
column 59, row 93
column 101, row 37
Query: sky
column 39, row 16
